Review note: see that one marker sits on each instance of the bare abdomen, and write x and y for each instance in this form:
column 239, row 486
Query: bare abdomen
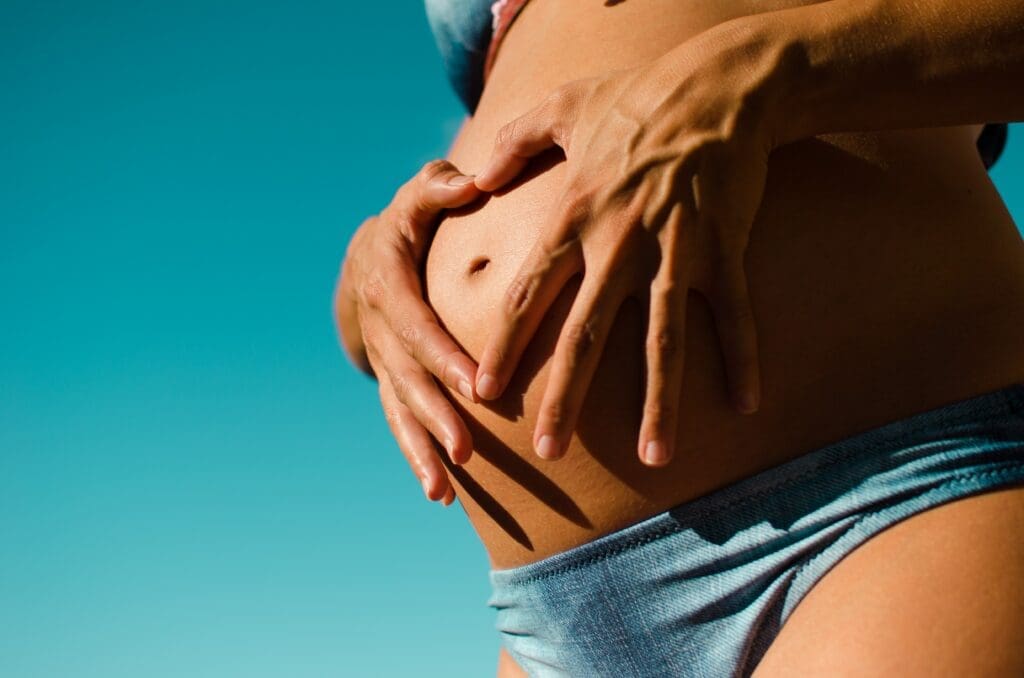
column 886, row 278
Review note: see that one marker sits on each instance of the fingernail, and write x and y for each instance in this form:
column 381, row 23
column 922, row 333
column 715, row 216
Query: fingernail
column 656, row 453
column 426, row 489
column 465, row 389
column 461, row 180
column 548, row 447
column 449, row 502
column 449, row 445
column 487, row 387
column 748, row 403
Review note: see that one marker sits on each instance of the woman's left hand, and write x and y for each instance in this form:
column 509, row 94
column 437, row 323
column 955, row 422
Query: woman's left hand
column 666, row 166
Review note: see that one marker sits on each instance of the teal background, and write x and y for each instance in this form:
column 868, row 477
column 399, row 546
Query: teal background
column 193, row 481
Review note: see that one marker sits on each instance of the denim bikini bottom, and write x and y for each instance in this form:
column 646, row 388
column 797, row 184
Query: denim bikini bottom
column 702, row 589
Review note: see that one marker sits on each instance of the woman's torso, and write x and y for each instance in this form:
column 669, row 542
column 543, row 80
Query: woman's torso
column 886, row 278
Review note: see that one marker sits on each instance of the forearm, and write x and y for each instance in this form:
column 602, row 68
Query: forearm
column 859, row 65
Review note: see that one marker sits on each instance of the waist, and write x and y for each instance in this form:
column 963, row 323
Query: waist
column 886, row 278
column 868, row 309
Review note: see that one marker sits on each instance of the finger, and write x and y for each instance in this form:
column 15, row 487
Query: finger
column 416, row 389
column 665, row 346
column 554, row 258
column 577, row 354
column 423, row 338
column 415, row 444
column 438, row 185
column 737, row 333
column 526, row 136
column 449, row 496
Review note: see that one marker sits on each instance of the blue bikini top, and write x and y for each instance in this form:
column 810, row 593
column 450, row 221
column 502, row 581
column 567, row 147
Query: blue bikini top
column 462, row 30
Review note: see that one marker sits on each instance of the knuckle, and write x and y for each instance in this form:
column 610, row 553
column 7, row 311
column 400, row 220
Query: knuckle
column 557, row 243
column 403, row 221
column 706, row 143
column 555, row 413
column 443, row 366
column 401, row 385
column 392, row 416
column 571, row 212
column 560, row 99
column 668, row 286
column 518, row 295
column 576, row 206
column 374, row 290
column 410, row 335
column 507, row 137
column 370, row 337
column 389, row 405
column 372, row 354
column 596, row 87
column 433, row 168
column 633, row 204
column 580, row 338
column 664, row 342
column 373, row 358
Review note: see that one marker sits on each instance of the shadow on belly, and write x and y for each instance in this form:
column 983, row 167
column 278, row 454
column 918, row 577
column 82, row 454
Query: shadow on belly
column 506, row 480
column 505, row 487
column 851, row 255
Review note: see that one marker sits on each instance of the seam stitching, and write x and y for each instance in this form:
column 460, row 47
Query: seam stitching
column 665, row 532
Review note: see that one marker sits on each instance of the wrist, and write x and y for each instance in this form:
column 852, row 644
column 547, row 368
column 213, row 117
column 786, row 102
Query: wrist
column 346, row 311
column 821, row 82
column 786, row 88
column 755, row 65
column 789, row 93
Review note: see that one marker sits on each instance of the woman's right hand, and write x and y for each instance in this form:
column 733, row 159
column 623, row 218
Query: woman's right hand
column 389, row 331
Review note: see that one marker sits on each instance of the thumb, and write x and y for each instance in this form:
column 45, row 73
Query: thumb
column 438, row 185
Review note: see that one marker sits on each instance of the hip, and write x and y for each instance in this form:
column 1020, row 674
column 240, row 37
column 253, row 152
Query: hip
column 705, row 587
